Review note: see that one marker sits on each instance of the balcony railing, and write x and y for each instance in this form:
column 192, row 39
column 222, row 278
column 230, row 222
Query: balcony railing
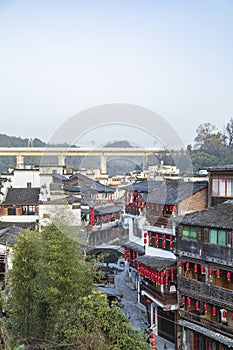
column 204, row 291
column 163, row 298
column 205, row 322
column 209, row 252
column 132, row 211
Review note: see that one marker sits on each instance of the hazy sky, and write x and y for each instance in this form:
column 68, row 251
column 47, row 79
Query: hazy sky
column 58, row 58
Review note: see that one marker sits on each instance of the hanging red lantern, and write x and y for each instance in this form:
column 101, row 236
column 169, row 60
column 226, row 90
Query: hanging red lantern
column 171, row 242
column 150, row 238
column 145, row 238
column 205, row 308
column 195, row 267
column 202, row 270
column 228, row 276
column 159, row 278
column 189, row 302
column 183, row 299
column 187, row 266
column 162, row 278
column 180, row 263
column 166, row 278
column 153, row 343
column 172, row 274
column 157, row 240
column 218, row 273
column 210, row 272
column 164, row 241
column 224, row 314
column 152, row 336
column 197, row 305
column 214, row 311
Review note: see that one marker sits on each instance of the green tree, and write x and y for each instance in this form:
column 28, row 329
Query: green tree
column 228, row 133
column 54, row 302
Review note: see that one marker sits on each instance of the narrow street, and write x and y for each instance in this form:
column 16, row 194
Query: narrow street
column 136, row 312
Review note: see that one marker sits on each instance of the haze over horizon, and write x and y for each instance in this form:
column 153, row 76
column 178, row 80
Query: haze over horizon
column 61, row 58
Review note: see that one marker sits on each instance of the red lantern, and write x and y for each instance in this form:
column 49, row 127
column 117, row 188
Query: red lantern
column 166, row 278
column 157, row 240
column 162, row 278
column 153, row 343
column 197, row 305
column 189, row 302
column 172, row 274
column 180, row 263
column 164, row 241
column 218, row 273
column 202, row 270
column 150, row 238
column 159, row 279
column 183, row 299
column 152, row 336
column 145, row 237
column 224, row 314
column 195, row 267
column 205, row 308
column 214, row 311
column 210, row 272
column 171, row 242
column 187, row 266
column 228, row 276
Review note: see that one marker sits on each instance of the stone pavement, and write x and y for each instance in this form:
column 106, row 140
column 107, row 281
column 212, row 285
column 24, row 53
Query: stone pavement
column 135, row 312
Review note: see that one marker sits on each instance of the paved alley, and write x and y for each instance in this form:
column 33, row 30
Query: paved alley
column 136, row 312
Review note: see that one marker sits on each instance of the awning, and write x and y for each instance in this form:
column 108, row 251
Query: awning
column 207, row 332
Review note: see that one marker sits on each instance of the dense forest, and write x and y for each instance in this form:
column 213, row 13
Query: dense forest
column 210, row 147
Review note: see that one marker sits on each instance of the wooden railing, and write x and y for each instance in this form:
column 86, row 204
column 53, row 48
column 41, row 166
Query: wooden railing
column 206, row 292
column 205, row 322
column 163, row 298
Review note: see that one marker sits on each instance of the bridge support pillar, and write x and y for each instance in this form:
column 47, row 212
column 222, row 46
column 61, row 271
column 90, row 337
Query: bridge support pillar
column 103, row 164
column 145, row 162
column 19, row 161
column 61, row 160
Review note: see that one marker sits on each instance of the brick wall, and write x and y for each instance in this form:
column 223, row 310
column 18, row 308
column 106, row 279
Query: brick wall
column 195, row 202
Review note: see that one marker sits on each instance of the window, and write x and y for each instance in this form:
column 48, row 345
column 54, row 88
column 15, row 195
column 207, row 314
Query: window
column 222, row 187
column 215, row 187
column 213, row 236
column 189, row 232
column 29, row 184
column 217, row 237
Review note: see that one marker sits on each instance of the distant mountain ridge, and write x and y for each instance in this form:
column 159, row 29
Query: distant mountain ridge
column 15, row 141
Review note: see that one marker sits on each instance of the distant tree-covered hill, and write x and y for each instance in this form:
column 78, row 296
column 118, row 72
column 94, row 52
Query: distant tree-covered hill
column 15, row 141
column 119, row 144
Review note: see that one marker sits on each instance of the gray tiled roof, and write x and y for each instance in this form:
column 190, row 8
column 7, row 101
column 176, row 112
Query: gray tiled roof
column 107, row 209
column 22, row 196
column 173, row 191
column 219, row 216
column 82, row 183
column 9, row 234
column 144, row 186
column 135, row 247
column 156, row 262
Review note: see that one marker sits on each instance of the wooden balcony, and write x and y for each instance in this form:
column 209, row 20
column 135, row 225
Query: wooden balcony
column 132, row 211
column 205, row 251
column 167, row 299
column 205, row 322
column 203, row 291
column 158, row 221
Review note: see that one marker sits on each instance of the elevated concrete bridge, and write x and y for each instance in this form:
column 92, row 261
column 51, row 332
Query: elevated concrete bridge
column 62, row 153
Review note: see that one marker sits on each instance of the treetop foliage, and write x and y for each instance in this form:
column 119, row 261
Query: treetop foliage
column 54, row 303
